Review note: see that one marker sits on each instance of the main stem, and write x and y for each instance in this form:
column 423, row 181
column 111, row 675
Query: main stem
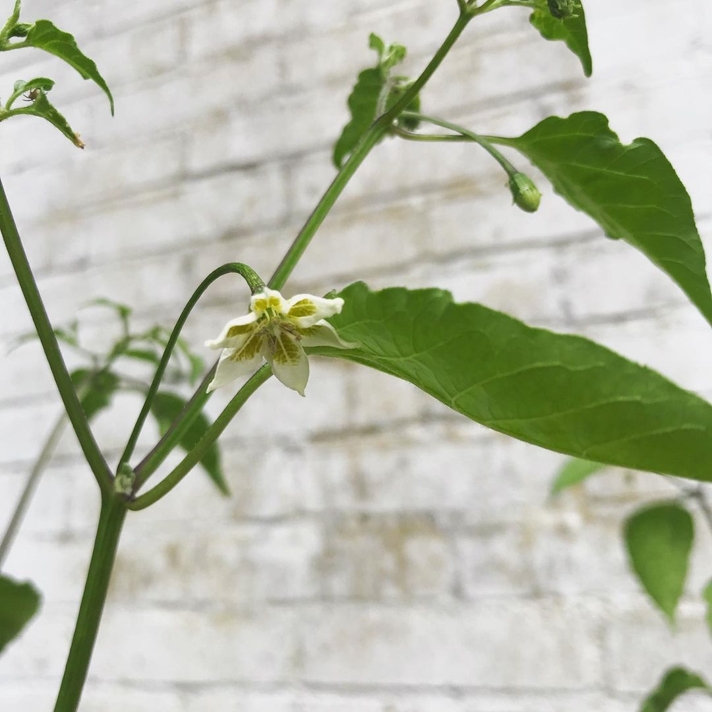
column 111, row 520
column 49, row 343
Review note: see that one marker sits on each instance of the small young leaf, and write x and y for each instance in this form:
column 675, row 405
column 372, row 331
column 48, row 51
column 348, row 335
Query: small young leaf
column 364, row 98
column 676, row 682
column 142, row 355
column 571, row 30
column 558, row 391
column 574, row 472
column 659, row 539
column 42, row 107
column 631, row 191
column 18, row 604
column 99, row 388
column 21, row 87
column 67, row 335
column 363, row 102
column 377, row 44
column 165, row 408
column 122, row 310
column 44, row 35
column 11, row 22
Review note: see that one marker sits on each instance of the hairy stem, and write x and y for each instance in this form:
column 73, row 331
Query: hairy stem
column 206, row 442
column 111, row 520
column 32, row 480
column 48, row 340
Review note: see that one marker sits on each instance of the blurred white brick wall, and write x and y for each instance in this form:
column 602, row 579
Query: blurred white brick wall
column 379, row 553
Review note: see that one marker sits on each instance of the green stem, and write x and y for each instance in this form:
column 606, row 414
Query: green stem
column 33, row 478
column 483, row 141
column 49, row 343
column 429, row 138
column 302, row 240
column 255, row 284
column 206, row 442
column 378, row 129
column 111, row 520
column 175, row 432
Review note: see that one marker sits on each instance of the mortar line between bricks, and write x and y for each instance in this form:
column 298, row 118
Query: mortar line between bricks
column 457, row 691
column 184, row 249
column 62, row 461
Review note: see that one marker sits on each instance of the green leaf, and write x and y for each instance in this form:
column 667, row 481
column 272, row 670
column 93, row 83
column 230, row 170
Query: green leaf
column 42, row 107
column 142, row 355
column 558, row 391
column 631, row 191
column 574, row 472
column 659, row 539
column 11, row 22
column 67, row 335
column 677, row 682
column 98, row 389
column 377, row 44
column 121, row 310
column 18, row 604
column 571, row 30
column 44, row 35
column 165, row 408
column 707, row 595
column 364, row 98
column 41, row 84
column 363, row 102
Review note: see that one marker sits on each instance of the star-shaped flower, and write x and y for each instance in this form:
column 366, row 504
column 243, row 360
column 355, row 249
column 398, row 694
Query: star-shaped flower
column 276, row 330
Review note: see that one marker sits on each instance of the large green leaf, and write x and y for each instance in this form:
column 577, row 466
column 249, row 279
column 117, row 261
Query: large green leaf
column 561, row 392
column 659, row 540
column 571, row 30
column 18, row 604
column 631, row 191
column 166, row 407
column 44, row 35
column 677, row 682
column 574, row 472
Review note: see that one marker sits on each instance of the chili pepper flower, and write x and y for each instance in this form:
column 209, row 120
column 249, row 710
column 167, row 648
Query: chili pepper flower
column 276, row 330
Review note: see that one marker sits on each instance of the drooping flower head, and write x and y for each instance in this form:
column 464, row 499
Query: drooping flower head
column 276, row 330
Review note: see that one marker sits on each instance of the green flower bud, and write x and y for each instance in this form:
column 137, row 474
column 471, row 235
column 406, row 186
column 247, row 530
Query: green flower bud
column 525, row 193
column 562, row 9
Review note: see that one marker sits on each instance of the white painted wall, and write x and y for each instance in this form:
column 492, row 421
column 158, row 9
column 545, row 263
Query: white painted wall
column 379, row 554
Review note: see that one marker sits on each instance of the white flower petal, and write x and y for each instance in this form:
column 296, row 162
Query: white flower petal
column 268, row 298
column 324, row 334
column 289, row 362
column 234, row 333
column 305, row 310
column 231, row 367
